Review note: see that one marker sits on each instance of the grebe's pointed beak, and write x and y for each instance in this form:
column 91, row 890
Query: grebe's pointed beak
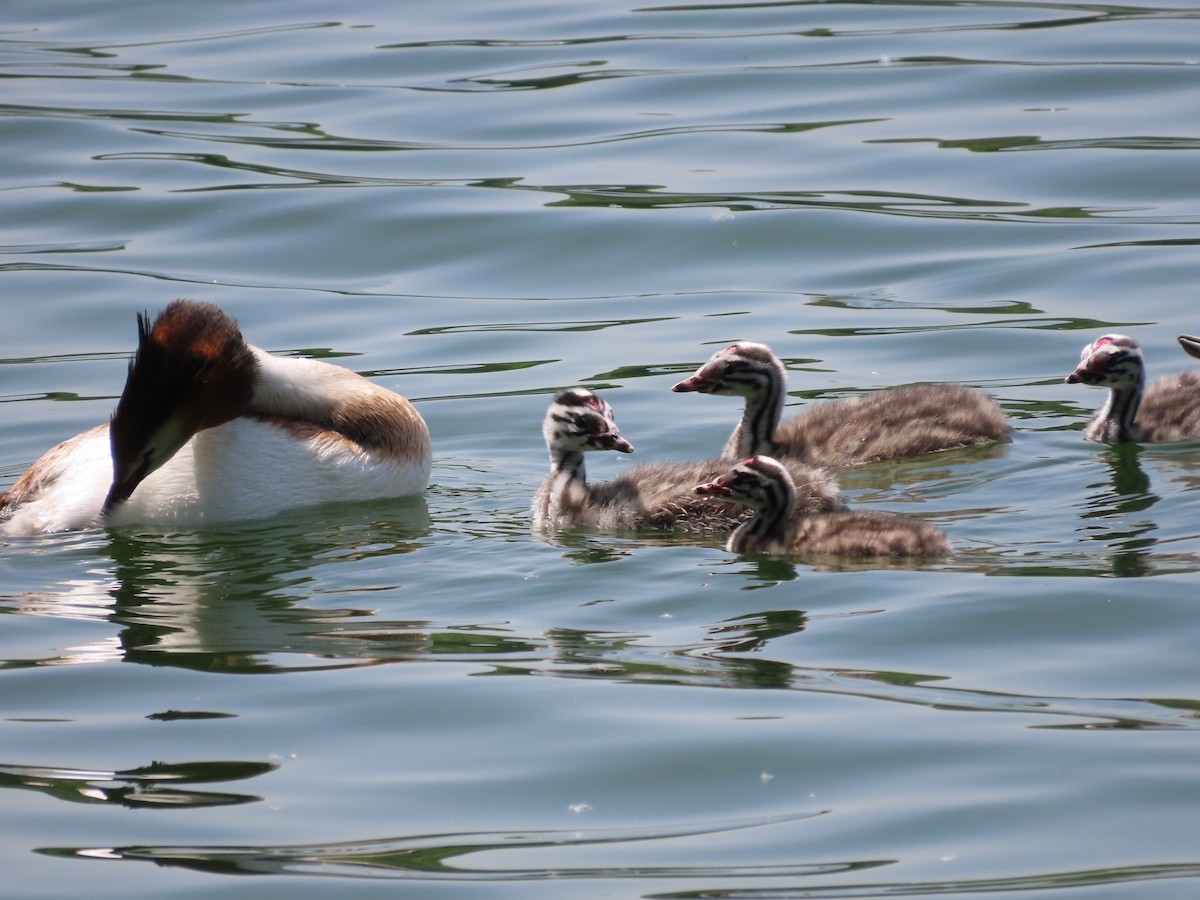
column 1088, row 372
column 1190, row 345
column 614, row 440
column 138, row 448
column 124, row 484
column 716, row 488
column 697, row 383
column 1090, row 368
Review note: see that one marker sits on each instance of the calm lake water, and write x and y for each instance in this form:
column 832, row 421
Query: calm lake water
column 476, row 204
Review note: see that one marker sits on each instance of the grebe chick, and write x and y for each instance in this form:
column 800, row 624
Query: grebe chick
column 210, row 428
column 657, row 496
column 763, row 484
column 1169, row 410
column 888, row 424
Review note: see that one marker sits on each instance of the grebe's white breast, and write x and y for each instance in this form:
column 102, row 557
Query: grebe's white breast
column 242, row 470
column 251, row 469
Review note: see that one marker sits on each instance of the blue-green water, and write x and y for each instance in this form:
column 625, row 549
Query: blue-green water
column 475, row 204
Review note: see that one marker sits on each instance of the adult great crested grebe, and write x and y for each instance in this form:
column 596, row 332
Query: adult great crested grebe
column 210, row 428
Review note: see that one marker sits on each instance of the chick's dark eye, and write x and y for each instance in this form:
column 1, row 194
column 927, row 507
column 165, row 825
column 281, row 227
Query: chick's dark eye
column 595, row 425
column 580, row 422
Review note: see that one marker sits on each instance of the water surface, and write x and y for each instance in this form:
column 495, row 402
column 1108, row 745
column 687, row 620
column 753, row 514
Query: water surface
column 476, row 205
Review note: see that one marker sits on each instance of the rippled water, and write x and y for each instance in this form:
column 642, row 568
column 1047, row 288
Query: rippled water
column 476, row 204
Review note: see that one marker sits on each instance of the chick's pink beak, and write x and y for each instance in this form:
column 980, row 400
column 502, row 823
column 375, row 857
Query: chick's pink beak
column 717, row 488
column 697, row 383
